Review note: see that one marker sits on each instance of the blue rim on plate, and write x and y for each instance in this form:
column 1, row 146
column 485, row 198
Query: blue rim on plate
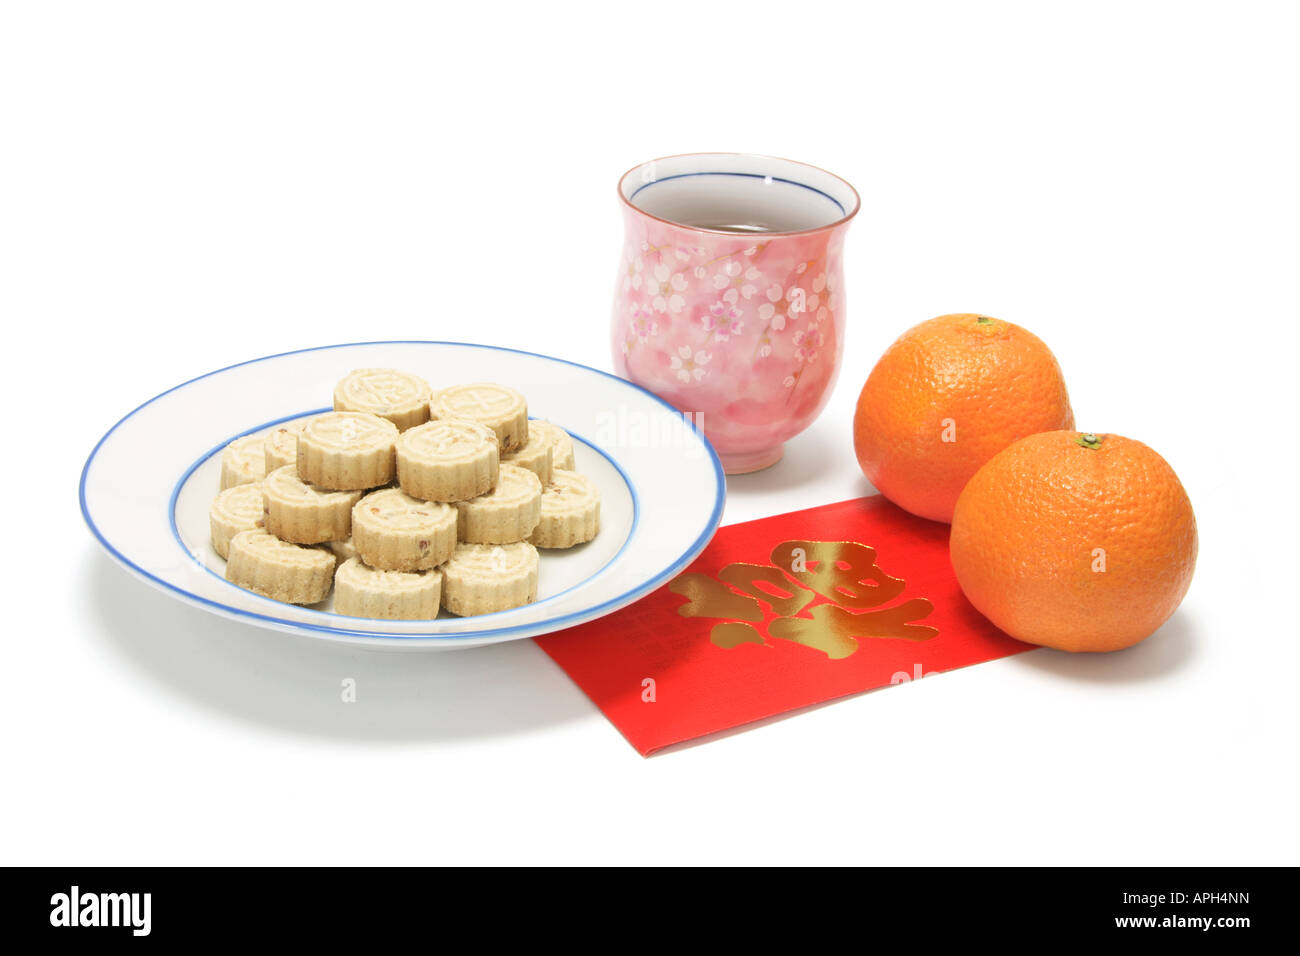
column 576, row 617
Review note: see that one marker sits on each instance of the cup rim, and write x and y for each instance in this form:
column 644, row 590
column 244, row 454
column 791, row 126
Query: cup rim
column 843, row 220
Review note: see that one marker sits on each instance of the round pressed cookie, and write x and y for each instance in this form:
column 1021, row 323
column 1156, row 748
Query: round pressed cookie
column 507, row 513
column 398, row 396
column 561, row 443
column 234, row 510
column 392, row 531
column 499, row 408
column 361, row 591
column 536, row 454
column 280, row 445
column 570, row 511
column 484, row 578
column 346, row 451
column 302, row 513
column 242, row 462
column 262, row 563
column 447, row 460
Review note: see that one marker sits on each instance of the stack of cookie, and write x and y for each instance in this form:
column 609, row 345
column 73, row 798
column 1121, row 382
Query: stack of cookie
column 403, row 500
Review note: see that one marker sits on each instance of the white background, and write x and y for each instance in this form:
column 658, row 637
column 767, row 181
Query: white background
column 183, row 186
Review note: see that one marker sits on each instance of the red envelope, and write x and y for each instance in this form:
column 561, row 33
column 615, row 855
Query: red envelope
column 778, row 614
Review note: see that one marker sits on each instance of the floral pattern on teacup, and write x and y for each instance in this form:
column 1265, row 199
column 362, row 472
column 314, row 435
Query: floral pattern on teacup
column 745, row 330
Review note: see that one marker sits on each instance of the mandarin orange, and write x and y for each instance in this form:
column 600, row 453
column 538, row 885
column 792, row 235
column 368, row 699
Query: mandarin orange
column 1079, row 542
column 946, row 397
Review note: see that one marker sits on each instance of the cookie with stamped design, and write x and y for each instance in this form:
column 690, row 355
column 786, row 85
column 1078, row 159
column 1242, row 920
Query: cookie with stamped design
column 234, row 510
column 500, row 408
column 485, row 578
column 507, row 513
column 394, row 532
column 347, row 451
column 398, row 396
column 536, row 454
column 362, row 591
column 280, row 445
column 242, row 462
column 262, row 563
column 300, row 512
column 560, row 442
column 570, row 511
column 447, row 460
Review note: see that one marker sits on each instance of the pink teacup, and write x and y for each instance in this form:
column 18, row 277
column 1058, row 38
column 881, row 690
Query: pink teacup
column 730, row 297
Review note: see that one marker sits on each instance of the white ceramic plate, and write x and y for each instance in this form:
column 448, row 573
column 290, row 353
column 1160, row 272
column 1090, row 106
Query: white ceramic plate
column 147, row 485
